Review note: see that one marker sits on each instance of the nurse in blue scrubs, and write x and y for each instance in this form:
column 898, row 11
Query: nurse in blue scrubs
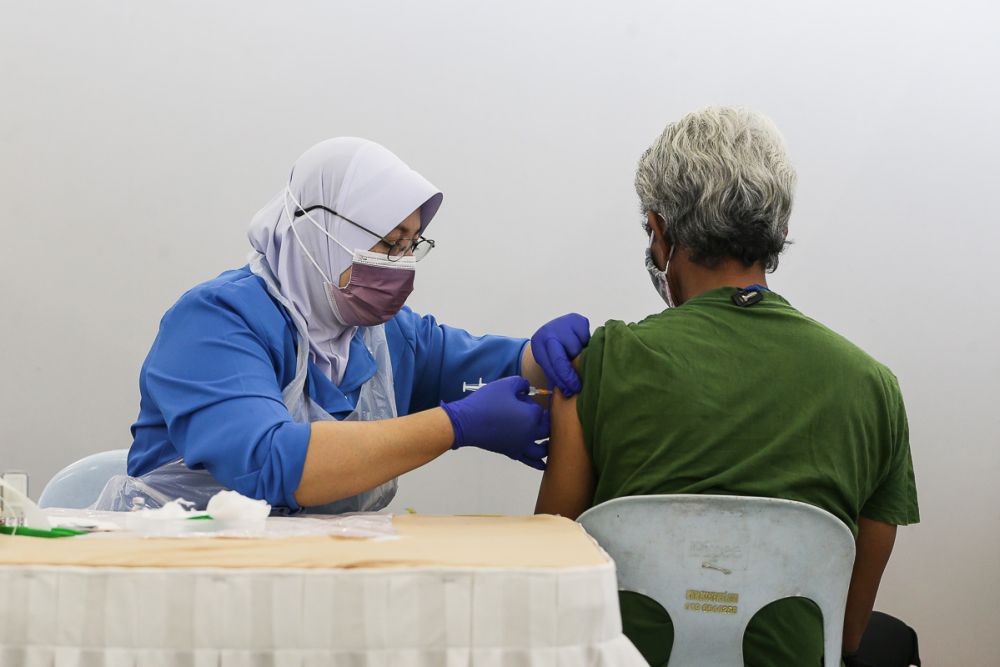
column 302, row 379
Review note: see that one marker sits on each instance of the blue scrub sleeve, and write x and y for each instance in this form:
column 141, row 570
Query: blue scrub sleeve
column 215, row 383
column 445, row 357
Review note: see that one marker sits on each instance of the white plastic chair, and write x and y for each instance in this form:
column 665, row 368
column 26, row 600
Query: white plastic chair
column 79, row 484
column 712, row 562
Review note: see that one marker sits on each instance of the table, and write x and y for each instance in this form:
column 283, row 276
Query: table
column 450, row 591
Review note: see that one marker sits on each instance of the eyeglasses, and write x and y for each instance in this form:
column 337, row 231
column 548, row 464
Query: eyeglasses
column 417, row 247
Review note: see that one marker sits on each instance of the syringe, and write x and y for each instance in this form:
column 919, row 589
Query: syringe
column 533, row 391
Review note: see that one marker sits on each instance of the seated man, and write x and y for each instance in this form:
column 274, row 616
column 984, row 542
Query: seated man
column 731, row 390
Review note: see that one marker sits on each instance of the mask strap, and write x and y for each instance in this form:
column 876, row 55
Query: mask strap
column 670, row 254
column 318, row 226
column 666, row 276
column 291, row 222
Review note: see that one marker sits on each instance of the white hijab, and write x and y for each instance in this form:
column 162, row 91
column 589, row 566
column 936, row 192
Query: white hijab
column 359, row 179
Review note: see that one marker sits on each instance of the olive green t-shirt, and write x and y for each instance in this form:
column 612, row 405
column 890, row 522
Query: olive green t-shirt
column 711, row 397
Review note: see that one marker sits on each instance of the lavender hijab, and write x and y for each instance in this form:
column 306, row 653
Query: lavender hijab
column 361, row 180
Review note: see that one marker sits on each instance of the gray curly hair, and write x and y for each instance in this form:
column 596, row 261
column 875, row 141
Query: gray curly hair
column 721, row 180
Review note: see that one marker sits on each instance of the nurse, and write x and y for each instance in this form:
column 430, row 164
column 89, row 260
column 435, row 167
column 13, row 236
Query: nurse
column 302, row 379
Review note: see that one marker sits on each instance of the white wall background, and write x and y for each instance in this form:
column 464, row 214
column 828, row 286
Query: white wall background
column 137, row 139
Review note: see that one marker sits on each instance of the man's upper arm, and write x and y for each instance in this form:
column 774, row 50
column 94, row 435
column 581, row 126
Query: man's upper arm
column 568, row 484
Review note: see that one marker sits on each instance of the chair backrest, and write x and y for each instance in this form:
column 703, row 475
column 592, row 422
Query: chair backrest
column 712, row 562
column 79, row 484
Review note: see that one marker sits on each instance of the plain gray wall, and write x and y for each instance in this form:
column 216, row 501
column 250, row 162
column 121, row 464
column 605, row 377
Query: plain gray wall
column 139, row 138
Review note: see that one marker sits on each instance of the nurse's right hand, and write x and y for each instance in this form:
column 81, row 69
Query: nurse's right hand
column 502, row 418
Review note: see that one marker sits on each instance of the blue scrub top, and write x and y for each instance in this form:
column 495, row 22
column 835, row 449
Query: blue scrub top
column 211, row 385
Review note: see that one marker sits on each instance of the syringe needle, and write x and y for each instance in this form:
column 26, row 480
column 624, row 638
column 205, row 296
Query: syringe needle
column 532, row 391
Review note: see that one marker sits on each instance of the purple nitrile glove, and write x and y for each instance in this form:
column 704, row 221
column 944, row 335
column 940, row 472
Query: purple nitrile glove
column 555, row 345
column 501, row 418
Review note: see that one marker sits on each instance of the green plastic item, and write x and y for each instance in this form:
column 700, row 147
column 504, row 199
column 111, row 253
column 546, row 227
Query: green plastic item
column 38, row 532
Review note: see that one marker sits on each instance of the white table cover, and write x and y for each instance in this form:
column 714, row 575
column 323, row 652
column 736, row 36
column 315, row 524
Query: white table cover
column 72, row 616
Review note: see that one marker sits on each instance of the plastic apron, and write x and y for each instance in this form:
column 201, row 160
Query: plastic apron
column 377, row 400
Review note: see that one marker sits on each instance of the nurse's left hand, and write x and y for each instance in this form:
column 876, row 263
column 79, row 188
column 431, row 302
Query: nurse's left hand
column 555, row 345
column 501, row 418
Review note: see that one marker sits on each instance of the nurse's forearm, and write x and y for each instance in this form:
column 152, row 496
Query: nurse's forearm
column 347, row 457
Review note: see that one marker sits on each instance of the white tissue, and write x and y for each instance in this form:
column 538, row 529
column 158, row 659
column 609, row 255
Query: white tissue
column 175, row 509
column 228, row 514
column 166, row 521
column 228, row 506
column 234, row 508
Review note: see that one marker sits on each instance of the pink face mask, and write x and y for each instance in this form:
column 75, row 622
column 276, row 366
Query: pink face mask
column 376, row 292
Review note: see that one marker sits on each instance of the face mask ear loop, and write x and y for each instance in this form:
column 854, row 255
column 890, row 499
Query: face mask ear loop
column 673, row 247
column 298, row 239
column 321, row 228
column 666, row 267
column 666, row 277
